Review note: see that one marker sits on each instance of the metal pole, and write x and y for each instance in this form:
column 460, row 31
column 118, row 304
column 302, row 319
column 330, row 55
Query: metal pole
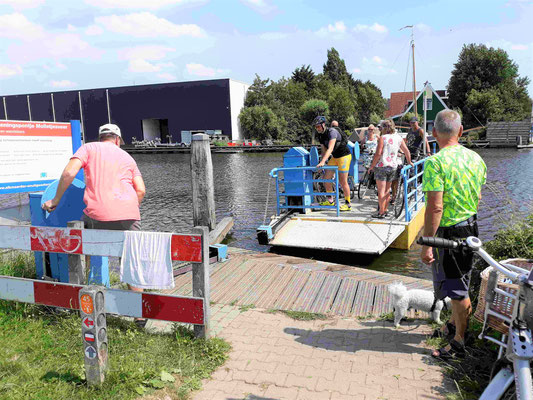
column 29, row 107
column 425, row 123
column 81, row 119
column 5, row 107
column 108, row 108
column 414, row 79
column 53, row 107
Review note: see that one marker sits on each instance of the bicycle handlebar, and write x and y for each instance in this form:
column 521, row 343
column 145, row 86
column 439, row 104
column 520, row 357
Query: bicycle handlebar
column 438, row 242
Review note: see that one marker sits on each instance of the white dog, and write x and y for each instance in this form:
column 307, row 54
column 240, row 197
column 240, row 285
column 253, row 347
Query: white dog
column 424, row 300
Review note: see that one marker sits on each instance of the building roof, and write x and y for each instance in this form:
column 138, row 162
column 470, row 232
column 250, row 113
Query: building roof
column 399, row 101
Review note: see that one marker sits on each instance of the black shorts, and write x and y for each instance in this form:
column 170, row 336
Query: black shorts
column 124, row 225
column 451, row 270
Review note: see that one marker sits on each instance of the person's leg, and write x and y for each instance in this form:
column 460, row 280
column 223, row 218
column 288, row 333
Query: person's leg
column 461, row 310
column 387, row 196
column 381, row 195
column 343, row 182
column 329, row 174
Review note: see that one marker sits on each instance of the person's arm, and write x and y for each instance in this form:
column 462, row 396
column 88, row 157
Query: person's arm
column 432, row 218
column 406, row 151
column 140, row 189
column 327, row 153
column 377, row 154
column 68, row 175
column 424, row 140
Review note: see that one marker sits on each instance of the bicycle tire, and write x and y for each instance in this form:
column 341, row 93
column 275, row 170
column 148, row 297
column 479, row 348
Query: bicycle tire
column 363, row 185
column 399, row 200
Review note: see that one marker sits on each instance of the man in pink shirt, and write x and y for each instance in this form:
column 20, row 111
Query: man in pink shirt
column 114, row 186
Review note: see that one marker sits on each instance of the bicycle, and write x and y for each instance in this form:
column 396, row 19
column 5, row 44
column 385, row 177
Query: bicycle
column 514, row 378
column 367, row 183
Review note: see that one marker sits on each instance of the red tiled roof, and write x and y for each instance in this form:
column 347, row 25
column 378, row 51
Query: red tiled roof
column 398, row 103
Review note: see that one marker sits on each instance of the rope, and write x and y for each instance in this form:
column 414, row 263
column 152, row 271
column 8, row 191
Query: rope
column 266, row 203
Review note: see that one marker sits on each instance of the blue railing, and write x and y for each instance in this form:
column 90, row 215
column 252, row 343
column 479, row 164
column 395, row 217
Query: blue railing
column 411, row 196
column 302, row 193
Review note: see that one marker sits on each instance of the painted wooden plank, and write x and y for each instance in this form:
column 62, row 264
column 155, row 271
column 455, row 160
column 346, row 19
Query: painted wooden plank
column 15, row 237
column 124, row 302
column 345, row 297
column 324, row 299
column 364, row 299
column 292, row 290
column 382, row 301
column 273, row 292
column 261, row 285
column 17, row 290
column 309, row 292
column 56, row 294
column 245, row 284
column 188, row 310
column 228, row 284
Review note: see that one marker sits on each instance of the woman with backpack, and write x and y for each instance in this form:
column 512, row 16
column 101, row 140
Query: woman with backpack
column 334, row 143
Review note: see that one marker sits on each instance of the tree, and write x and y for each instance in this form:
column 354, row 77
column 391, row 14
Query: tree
column 308, row 111
column 341, row 106
column 305, row 75
column 259, row 122
column 258, row 93
column 335, row 69
column 491, row 73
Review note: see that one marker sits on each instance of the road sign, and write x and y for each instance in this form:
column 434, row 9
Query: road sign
column 89, row 337
column 87, row 322
column 90, row 352
column 86, row 304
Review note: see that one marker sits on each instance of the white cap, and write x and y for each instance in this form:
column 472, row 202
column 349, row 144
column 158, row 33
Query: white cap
column 111, row 128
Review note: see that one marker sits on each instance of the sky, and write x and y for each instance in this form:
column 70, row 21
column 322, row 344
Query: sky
column 56, row 45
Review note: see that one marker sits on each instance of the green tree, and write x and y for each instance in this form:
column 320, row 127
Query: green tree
column 341, row 106
column 258, row 93
column 487, row 69
column 308, row 111
column 305, row 75
column 260, row 122
column 335, row 68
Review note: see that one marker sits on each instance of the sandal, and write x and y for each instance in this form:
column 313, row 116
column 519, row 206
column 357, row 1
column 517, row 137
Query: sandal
column 446, row 332
column 378, row 215
column 453, row 350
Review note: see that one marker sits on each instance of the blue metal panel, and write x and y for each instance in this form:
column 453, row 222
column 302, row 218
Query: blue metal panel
column 297, row 157
column 37, row 219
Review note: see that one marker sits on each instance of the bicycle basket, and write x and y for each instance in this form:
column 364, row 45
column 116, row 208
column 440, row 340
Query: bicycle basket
column 501, row 304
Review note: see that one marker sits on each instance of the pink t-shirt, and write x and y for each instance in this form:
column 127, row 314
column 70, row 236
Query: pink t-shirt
column 109, row 172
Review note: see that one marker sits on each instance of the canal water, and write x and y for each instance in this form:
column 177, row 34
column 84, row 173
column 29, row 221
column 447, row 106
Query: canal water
column 242, row 188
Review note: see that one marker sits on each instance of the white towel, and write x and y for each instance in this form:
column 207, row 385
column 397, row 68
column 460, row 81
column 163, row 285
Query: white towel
column 146, row 261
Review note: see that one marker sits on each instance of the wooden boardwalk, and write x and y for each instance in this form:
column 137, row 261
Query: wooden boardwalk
column 271, row 281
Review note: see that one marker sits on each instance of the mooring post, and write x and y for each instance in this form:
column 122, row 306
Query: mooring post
column 94, row 333
column 203, row 190
column 76, row 263
column 201, row 286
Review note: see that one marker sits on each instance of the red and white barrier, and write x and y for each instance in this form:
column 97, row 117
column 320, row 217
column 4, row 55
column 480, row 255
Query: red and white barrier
column 93, row 242
column 120, row 302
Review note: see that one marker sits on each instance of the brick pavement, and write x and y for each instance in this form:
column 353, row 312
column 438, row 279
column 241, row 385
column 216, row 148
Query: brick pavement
column 276, row 357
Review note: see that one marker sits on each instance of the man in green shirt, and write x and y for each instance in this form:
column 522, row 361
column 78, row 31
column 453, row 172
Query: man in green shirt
column 452, row 182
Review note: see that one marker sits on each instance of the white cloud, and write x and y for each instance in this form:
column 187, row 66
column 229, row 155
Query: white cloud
column 375, row 66
column 423, row 28
column 56, row 67
column 377, row 28
column 377, row 60
column 17, row 26
column 167, row 76
column 506, row 45
column 145, row 24
column 7, row 71
column 129, row 4
column 140, row 65
column 356, row 71
column 153, row 52
column 63, row 84
column 273, row 35
column 202, row 70
column 22, row 4
column 71, row 28
column 261, row 6
column 94, row 30
column 338, row 28
column 519, row 47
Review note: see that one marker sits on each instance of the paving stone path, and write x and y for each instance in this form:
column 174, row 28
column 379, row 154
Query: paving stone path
column 275, row 358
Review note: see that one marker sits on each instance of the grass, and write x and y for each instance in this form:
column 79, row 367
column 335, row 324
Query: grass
column 41, row 354
column 302, row 315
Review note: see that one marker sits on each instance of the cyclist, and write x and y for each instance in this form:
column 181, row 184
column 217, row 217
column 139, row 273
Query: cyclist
column 334, row 143
column 415, row 139
column 452, row 182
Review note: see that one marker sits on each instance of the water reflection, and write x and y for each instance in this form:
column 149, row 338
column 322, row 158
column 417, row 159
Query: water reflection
column 242, row 183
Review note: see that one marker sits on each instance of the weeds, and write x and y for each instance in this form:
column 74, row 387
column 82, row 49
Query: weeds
column 303, row 316
column 246, row 307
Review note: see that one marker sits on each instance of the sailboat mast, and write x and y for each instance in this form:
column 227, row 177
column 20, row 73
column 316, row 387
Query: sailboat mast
column 414, row 78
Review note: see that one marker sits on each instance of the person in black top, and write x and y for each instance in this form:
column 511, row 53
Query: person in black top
column 334, row 143
column 415, row 138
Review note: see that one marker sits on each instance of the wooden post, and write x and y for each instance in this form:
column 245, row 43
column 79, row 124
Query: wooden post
column 76, row 263
column 201, row 286
column 94, row 333
column 203, row 190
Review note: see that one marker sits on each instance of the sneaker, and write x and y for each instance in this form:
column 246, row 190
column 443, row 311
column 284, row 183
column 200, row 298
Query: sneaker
column 327, row 203
column 378, row 215
column 345, row 207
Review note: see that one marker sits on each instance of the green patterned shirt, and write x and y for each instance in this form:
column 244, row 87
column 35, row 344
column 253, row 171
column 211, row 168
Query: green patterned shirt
column 459, row 173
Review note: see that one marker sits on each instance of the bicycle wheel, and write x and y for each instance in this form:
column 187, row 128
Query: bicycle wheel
column 363, row 185
column 399, row 200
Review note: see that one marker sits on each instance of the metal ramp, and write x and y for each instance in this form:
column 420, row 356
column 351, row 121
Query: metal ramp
column 353, row 236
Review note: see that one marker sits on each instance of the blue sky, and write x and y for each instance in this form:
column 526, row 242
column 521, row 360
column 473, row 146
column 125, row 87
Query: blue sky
column 54, row 45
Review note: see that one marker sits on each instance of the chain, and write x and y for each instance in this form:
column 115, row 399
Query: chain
column 266, row 203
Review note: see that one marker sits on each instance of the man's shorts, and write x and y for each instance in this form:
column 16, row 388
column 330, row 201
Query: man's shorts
column 387, row 174
column 124, row 225
column 343, row 163
column 451, row 270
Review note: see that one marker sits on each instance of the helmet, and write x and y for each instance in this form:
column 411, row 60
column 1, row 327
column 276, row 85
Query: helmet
column 319, row 120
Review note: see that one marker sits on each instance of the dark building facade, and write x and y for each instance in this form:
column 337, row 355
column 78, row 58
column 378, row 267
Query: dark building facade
column 142, row 112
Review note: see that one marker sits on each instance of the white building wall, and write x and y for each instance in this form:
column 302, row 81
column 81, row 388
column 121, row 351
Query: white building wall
column 237, row 94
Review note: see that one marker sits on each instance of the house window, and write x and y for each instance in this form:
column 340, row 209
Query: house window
column 429, row 104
